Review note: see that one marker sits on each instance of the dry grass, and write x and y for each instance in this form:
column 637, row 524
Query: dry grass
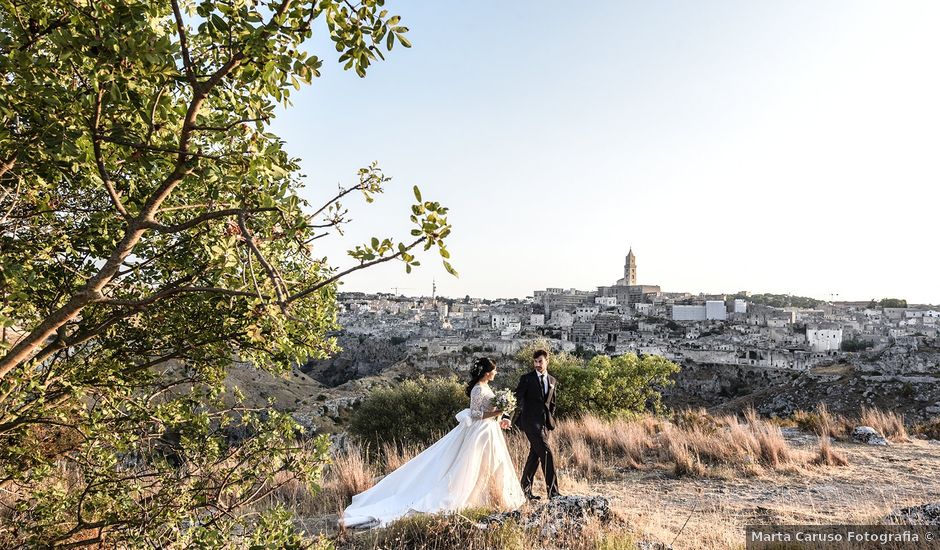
column 828, row 455
column 823, row 423
column 929, row 429
column 350, row 472
column 445, row 532
column 397, row 454
column 888, row 423
column 691, row 443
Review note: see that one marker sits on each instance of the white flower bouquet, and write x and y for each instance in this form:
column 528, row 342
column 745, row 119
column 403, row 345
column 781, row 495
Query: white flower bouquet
column 505, row 401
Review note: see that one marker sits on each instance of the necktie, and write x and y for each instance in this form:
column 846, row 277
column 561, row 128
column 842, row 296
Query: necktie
column 542, row 384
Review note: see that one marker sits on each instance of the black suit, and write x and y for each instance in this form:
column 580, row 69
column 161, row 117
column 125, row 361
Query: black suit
column 536, row 416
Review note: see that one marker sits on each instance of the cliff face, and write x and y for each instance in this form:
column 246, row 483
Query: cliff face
column 898, row 379
column 362, row 356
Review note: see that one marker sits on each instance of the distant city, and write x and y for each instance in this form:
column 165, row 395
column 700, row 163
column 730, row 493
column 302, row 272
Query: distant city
column 769, row 330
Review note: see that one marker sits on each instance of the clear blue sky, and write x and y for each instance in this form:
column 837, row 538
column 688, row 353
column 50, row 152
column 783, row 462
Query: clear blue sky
column 787, row 147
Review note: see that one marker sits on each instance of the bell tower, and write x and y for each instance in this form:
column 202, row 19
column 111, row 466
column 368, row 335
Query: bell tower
column 629, row 269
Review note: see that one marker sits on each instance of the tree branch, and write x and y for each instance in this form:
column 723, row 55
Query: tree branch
column 181, row 31
column 145, row 147
column 342, row 274
column 99, row 158
column 7, row 164
column 230, row 126
column 172, row 292
column 204, row 218
column 279, row 287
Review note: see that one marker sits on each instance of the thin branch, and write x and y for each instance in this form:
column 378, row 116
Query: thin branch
column 342, row 193
column 230, row 126
column 7, row 164
column 39, row 33
column 181, row 30
column 145, row 147
column 279, row 288
column 99, row 158
column 204, row 218
column 342, row 274
column 173, row 291
column 153, row 113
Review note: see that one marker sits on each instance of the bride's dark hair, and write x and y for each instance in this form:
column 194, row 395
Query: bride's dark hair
column 480, row 368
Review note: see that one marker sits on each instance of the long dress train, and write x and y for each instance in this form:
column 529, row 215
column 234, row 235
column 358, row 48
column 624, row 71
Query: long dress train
column 470, row 466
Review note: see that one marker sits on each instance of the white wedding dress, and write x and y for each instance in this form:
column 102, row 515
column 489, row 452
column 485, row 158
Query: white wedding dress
column 468, row 467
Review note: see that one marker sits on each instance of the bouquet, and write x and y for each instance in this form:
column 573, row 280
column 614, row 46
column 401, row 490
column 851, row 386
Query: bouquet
column 505, row 401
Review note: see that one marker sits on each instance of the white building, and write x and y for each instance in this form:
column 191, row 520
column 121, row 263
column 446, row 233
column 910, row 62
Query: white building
column 606, row 301
column 740, row 306
column 824, row 339
column 537, row 320
column 921, row 314
column 586, row 313
column 511, row 328
column 499, row 321
column 688, row 313
column 715, row 310
column 561, row 318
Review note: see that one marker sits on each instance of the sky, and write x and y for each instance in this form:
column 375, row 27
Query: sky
column 784, row 147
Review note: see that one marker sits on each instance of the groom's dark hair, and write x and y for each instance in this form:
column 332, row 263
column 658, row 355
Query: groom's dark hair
column 540, row 353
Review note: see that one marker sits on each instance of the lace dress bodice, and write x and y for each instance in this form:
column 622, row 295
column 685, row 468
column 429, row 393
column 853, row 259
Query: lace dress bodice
column 481, row 401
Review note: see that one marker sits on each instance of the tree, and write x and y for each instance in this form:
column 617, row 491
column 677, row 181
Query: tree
column 152, row 234
column 892, row 302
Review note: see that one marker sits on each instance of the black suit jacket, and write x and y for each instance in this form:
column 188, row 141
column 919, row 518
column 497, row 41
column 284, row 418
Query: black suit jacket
column 532, row 411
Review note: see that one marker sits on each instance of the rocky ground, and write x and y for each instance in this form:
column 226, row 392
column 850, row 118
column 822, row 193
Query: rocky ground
column 877, row 481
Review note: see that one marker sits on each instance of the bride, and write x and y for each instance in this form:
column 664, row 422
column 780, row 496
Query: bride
column 468, row 467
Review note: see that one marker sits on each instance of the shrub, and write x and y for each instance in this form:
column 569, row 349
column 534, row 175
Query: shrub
column 605, row 386
column 929, row 429
column 855, row 344
column 416, row 411
column 612, row 386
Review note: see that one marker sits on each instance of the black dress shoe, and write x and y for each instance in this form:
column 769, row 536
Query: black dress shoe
column 553, row 495
column 530, row 496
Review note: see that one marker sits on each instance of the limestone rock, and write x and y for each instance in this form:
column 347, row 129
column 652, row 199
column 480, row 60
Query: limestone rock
column 868, row 435
column 557, row 515
column 923, row 514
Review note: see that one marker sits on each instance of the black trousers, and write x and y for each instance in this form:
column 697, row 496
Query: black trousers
column 539, row 454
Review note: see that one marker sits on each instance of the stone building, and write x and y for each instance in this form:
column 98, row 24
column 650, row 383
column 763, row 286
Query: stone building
column 629, row 270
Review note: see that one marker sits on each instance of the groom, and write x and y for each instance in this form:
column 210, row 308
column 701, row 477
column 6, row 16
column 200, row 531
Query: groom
column 535, row 403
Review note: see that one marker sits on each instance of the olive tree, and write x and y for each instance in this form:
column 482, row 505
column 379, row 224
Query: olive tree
column 151, row 234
